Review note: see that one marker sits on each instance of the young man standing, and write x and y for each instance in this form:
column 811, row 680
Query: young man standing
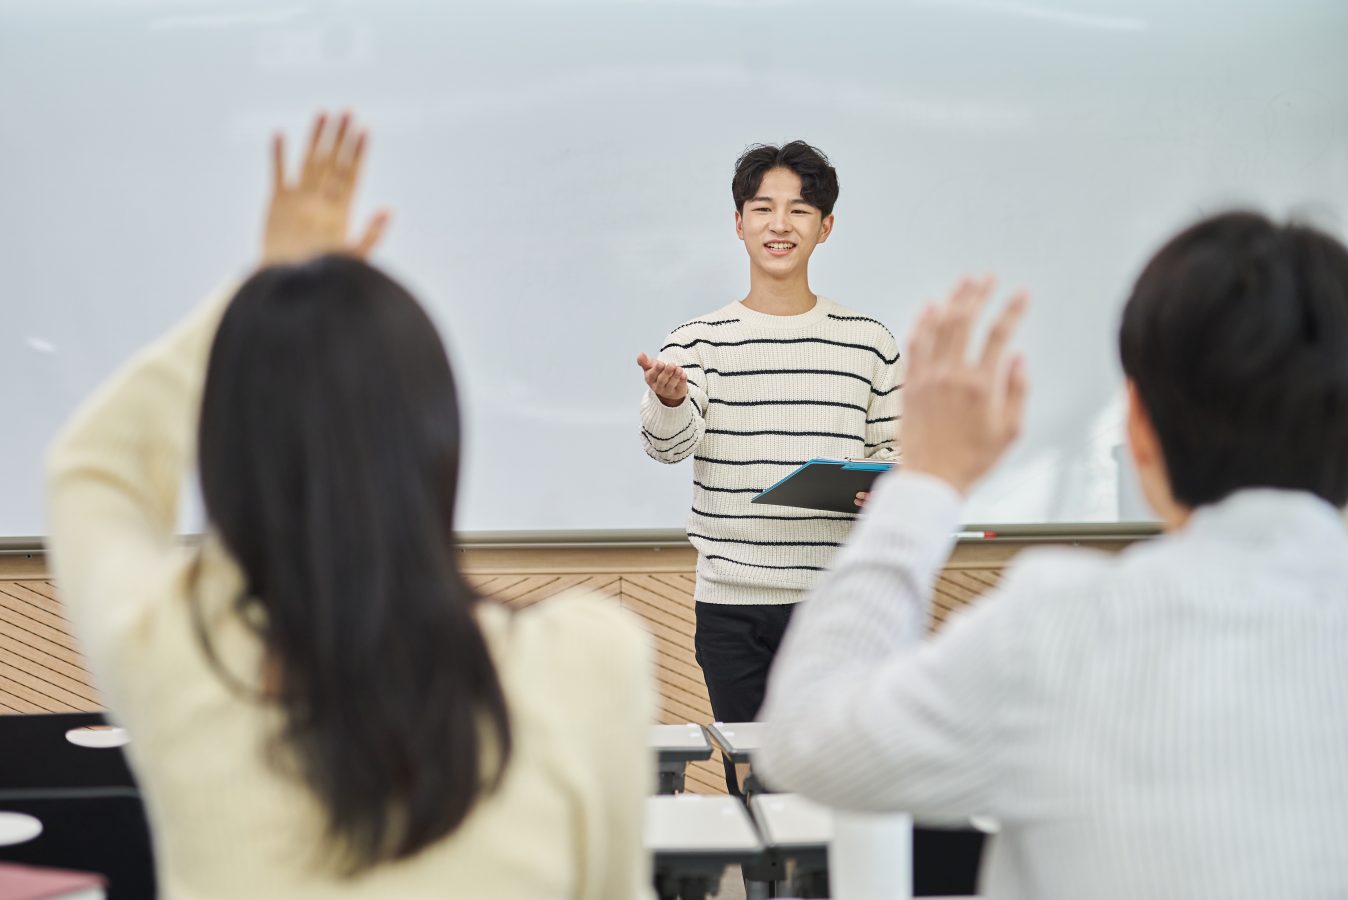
column 753, row 390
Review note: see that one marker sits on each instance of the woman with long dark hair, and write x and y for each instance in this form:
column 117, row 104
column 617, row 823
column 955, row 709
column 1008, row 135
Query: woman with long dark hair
column 319, row 703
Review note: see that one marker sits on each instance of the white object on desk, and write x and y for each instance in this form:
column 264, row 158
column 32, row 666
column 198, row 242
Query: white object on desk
column 16, row 828
column 679, row 737
column 790, row 821
column 698, row 823
column 871, row 857
column 98, row 737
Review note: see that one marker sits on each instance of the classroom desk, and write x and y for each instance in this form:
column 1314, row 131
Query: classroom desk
column 88, row 829
column 736, row 739
column 693, row 837
column 791, row 822
column 35, row 753
column 675, row 746
column 796, row 834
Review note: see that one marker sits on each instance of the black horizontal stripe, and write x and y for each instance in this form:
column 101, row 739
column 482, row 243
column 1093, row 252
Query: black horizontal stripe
column 750, row 462
column 761, row 565
column 723, row 490
column 670, row 438
column 718, row 540
column 675, row 448
column 705, row 322
column 690, row 366
column 838, row 318
column 709, row 515
column 885, row 393
column 853, row 375
column 860, row 409
column 810, row 340
column 880, row 444
column 885, row 419
column 826, row 434
column 659, row 455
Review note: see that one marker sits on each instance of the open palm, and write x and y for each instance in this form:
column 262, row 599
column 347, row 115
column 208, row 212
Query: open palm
column 311, row 215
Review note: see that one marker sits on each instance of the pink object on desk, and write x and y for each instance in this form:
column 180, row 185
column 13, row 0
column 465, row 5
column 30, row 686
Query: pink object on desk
column 34, row 883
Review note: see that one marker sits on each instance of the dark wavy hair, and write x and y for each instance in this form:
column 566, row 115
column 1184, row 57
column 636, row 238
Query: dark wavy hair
column 818, row 179
column 1236, row 336
column 329, row 457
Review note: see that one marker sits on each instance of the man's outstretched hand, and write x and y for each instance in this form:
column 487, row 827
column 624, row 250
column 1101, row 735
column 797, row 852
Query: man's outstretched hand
column 960, row 414
column 666, row 380
column 311, row 214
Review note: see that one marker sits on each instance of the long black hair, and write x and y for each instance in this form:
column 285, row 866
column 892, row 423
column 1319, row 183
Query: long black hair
column 329, row 457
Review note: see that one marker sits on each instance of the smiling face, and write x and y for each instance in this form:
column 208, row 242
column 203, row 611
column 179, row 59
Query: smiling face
column 779, row 228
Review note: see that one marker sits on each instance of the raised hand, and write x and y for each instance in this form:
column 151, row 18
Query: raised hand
column 311, row 215
column 960, row 415
column 666, row 380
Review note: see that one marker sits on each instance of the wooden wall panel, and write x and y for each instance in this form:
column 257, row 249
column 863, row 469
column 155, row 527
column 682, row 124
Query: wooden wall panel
column 664, row 602
column 41, row 669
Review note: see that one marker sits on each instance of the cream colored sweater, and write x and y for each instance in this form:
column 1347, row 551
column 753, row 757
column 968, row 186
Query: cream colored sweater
column 766, row 394
column 566, row 822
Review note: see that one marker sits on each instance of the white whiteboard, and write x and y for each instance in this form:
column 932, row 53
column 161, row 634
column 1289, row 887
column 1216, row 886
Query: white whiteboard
column 560, row 174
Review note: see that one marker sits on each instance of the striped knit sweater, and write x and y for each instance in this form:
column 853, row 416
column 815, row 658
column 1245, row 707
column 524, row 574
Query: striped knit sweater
column 765, row 394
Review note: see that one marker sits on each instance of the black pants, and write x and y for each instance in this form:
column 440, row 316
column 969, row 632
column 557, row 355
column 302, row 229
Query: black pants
column 735, row 646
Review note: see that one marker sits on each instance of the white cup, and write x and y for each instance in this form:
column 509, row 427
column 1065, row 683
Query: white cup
column 871, row 856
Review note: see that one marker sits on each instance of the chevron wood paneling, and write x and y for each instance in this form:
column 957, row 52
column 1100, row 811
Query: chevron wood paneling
column 41, row 669
column 664, row 602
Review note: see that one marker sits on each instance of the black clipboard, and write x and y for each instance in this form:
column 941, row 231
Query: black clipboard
column 825, row 484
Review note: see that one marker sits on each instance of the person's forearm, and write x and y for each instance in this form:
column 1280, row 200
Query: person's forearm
column 871, row 606
column 114, row 472
column 861, row 713
column 876, row 596
column 670, row 434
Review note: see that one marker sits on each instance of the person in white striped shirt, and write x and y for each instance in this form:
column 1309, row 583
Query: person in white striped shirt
column 1168, row 723
column 750, row 392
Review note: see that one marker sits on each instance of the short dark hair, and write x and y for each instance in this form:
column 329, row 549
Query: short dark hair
column 329, row 458
column 818, row 179
column 1236, row 336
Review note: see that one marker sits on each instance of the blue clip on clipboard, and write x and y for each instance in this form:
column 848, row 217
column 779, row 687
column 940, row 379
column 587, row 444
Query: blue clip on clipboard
column 824, row 484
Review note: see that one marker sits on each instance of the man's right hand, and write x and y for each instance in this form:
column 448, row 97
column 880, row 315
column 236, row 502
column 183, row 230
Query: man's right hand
column 960, row 414
column 666, row 380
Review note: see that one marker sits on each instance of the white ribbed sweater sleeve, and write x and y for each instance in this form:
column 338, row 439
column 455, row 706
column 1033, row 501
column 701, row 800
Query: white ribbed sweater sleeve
column 113, row 476
column 671, row 434
column 1166, row 723
column 861, row 712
